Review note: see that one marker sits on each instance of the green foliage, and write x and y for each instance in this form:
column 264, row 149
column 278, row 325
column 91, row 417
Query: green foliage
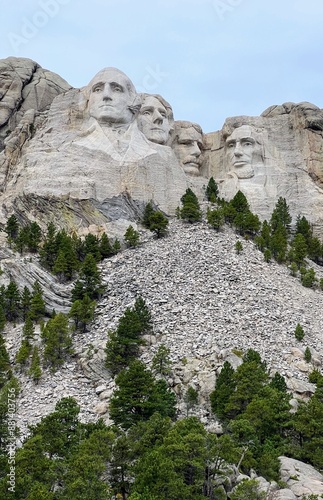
column 307, row 355
column 12, row 229
column 123, row 344
column 37, row 304
column 308, row 278
column 12, row 301
column 212, row 191
column 238, row 247
column 35, row 370
column 82, row 312
column 4, row 363
column 248, row 489
column 161, row 362
column 139, row 396
column 308, row 428
column 240, row 203
column 58, row 342
column 293, row 269
column 190, row 210
column 281, row 216
column 2, row 318
column 278, row 382
column 299, row 333
column 105, row 247
column 131, row 237
column 23, row 353
column 25, row 302
column 148, row 212
column 190, row 399
column 315, row 377
column 215, row 218
column 224, row 388
column 89, row 282
column 267, row 255
column 298, row 250
column 158, row 224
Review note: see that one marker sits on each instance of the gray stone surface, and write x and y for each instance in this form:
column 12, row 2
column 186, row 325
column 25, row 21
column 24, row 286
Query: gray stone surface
column 302, row 479
column 291, row 140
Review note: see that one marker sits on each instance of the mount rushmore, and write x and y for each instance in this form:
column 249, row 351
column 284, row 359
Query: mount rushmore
column 97, row 155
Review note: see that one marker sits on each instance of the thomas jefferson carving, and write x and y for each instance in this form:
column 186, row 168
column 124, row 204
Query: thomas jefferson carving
column 156, row 119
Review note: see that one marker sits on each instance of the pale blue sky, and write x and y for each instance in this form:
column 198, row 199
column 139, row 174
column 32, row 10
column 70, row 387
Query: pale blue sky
column 210, row 59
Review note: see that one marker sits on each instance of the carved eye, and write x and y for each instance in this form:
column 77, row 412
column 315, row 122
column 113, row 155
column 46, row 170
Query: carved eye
column 231, row 145
column 97, row 89
column 146, row 112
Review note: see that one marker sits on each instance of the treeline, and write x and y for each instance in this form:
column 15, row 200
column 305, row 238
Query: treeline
column 275, row 238
column 148, row 455
column 59, row 252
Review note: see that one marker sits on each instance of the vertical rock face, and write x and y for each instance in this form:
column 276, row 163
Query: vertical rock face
column 98, row 154
column 285, row 148
column 25, row 86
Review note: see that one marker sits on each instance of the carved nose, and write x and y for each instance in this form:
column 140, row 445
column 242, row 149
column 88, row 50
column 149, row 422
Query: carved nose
column 157, row 118
column 237, row 151
column 195, row 150
column 107, row 95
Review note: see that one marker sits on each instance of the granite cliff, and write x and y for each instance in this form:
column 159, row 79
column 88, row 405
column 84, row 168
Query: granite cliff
column 66, row 156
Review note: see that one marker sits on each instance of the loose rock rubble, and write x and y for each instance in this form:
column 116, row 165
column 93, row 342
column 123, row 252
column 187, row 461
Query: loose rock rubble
column 208, row 305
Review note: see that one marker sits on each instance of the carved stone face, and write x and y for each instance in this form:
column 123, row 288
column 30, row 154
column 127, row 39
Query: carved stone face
column 188, row 148
column 111, row 95
column 243, row 151
column 153, row 120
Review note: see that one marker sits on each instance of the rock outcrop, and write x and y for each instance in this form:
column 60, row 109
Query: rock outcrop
column 284, row 157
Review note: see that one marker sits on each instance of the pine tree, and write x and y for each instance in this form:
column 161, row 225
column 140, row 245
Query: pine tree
column 308, row 278
column 131, row 237
column 148, row 212
column 2, row 318
column 238, row 247
column 60, row 266
column 37, row 306
column 25, row 302
column 12, row 229
column 215, row 218
column 138, row 396
column 190, row 399
column 58, row 342
column 34, row 237
column 240, row 203
column 299, row 332
column 89, row 282
column 116, row 247
column 303, row 227
column 82, row 312
column 212, row 191
column 49, row 250
column 190, row 211
column 35, row 370
column 161, row 362
column 281, row 215
column 158, row 224
column 12, row 301
column 224, row 387
column 307, row 355
column 298, row 250
column 23, row 352
column 21, row 241
column 105, row 246
column 92, row 245
column 28, row 330
column 4, row 363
